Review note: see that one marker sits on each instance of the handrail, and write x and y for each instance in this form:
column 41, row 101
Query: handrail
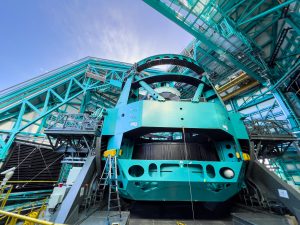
column 27, row 218
column 268, row 127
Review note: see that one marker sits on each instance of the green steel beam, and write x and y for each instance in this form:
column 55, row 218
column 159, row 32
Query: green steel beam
column 255, row 7
column 56, row 89
column 165, row 10
column 292, row 23
column 42, row 95
column 267, row 12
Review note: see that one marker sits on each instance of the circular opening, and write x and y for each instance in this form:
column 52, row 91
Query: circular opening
column 226, row 173
column 136, row 171
column 181, row 118
column 123, row 115
column 210, row 170
column 180, row 108
column 152, row 169
column 230, row 155
column 228, row 146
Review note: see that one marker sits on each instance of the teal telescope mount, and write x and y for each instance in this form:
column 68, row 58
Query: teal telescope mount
column 174, row 139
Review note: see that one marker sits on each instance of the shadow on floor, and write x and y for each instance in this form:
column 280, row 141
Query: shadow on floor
column 180, row 210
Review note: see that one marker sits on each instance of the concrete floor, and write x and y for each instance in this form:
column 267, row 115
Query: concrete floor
column 99, row 218
column 163, row 213
column 175, row 222
column 174, row 214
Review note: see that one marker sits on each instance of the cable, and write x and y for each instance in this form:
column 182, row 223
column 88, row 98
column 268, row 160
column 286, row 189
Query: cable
column 45, row 162
column 26, row 157
column 43, row 170
column 186, row 157
column 18, row 162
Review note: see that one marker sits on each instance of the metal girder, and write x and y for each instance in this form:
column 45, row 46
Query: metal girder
column 264, row 25
column 172, row 59
column 256, row 101
column 233, row 45
column 233, row 82
column 255, row 24
column 240, row 90
column 76, row 83
column 265, row 13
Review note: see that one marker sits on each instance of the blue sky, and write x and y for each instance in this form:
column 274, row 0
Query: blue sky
column 37, row 36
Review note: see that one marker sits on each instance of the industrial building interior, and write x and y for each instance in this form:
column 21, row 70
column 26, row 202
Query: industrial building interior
column 213, row 139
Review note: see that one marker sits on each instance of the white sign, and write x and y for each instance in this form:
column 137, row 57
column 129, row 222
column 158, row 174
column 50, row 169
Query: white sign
column 133, row 124
column 283, row 193
column 81, row 191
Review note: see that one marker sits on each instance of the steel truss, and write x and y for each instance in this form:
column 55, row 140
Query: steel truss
column 82, row 86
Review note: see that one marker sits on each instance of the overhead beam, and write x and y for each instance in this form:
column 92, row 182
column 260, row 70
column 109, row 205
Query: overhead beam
column 233, row 82
column 266, row 12
column 240, row 90
column 165, row 10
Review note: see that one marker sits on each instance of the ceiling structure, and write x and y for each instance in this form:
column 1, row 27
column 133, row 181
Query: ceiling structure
column 249, row 49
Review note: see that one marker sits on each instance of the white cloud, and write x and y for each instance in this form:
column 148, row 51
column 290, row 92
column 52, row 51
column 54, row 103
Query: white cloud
column 112, row 33
column 116, row 38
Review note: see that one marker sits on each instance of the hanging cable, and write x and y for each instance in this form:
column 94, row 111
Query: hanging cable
column 42, row 171
column 45, row 162
column 25, row 157
column 190, row 186
column 18, row 162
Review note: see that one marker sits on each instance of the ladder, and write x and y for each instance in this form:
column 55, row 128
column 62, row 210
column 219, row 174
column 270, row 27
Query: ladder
column 113, row 194
column 109, row 177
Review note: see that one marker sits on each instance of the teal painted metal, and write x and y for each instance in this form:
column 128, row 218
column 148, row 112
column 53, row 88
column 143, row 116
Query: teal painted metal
column 199, row 91
column 174, row 176
column 230, row 36
column 28, row 195
column 82, row 81
column 274, row 92
column 219, row 26
column 64, row 172
column 208, row 24
column 141, row 119
column 276, row 8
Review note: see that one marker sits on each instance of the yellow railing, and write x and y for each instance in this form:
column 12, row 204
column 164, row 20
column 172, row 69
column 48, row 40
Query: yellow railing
column 4, row 194
column 31, row 181
column 13, row 218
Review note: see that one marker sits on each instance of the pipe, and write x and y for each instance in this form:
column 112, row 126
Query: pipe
column 27, row 218
column 198, row 93
column 199, row 90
